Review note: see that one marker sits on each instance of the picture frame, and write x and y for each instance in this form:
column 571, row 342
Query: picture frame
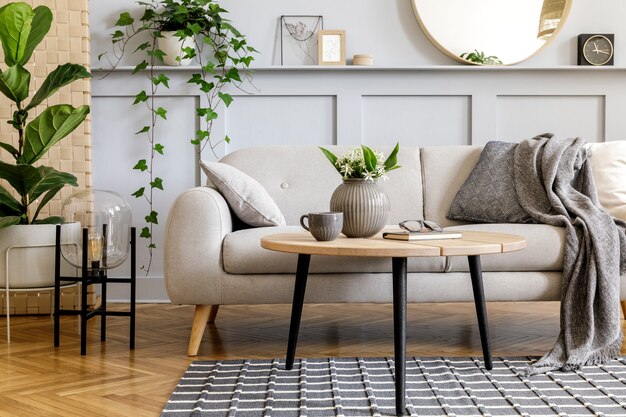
column 331, row 47
column 298, row 39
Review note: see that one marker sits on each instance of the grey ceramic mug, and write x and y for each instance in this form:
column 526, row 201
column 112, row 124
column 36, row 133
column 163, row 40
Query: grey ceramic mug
column 323, row 225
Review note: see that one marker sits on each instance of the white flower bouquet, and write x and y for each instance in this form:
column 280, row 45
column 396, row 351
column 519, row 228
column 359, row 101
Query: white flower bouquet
column 363, row 162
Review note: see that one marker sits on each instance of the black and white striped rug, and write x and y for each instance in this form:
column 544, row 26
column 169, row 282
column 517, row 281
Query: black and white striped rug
column 365, row 387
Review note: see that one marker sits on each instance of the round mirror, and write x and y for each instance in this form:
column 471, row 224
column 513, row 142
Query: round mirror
column 491, row 32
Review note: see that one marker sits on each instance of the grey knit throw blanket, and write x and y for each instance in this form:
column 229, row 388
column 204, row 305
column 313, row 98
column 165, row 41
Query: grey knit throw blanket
column 555, row 186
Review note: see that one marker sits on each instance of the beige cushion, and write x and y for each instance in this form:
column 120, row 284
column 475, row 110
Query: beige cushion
column 608, row 163
column 543, row 252
column 445, row 169
column 242, row 254
column 245, row 196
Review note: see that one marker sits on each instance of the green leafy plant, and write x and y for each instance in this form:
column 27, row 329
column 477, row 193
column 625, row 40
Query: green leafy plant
column 21, row 30
column 202, row 21
column 363, row 162
column 479, row 57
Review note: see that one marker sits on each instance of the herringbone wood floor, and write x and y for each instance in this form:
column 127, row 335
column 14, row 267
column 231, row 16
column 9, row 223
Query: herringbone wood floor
column 38, row 380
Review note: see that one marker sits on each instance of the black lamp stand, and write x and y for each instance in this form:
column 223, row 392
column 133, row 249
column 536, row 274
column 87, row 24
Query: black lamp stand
column 93, row 275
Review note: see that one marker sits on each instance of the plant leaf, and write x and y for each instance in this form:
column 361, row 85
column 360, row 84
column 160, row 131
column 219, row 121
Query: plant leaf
column 370, row 158
column 139, row 192
column 125, row 19
column 161, row 112
column 9, row 206
column 141, row 97
column 15, row 25
column 157, row 183
column 30, row 182
column 61, row 76
column 145, row 233
column 52, row 125
column 159, row 148
column 152, row 217
column 14, row 83
column 7, row 221
column 392, row 159
column 331, row 156
column 141, row 165
column 140, row 67
column 39, row 28
column 50, row 220
column 226, row 98
column 144, row 129
column 10, row 149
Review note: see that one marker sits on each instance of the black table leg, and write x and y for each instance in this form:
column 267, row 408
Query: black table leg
column 296, row 307
column 399, row 330
column 481, row 311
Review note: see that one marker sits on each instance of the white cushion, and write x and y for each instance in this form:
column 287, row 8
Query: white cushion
column 608, row 163
column 245, row 196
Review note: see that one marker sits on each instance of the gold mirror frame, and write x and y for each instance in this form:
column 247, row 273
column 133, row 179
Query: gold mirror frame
column 566, row 9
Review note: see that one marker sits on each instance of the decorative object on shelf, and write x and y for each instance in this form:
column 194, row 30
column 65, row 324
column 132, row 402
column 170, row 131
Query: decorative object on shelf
column 509, row 32
column 28, row 241
column 331, row 46
column 364, row 204
column 298, row 39
column 479, row 57
column 204, row 23
column 551, row 13
column 363, row 59
column 96, row 236
column 596, row 49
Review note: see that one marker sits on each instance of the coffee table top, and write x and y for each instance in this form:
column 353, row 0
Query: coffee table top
column 472, row 243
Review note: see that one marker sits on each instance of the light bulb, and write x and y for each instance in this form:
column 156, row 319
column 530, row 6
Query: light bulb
column 94, row 248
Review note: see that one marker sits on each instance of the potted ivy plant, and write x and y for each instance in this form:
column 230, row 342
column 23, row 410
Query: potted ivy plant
column 220, row 51
column 33, row 185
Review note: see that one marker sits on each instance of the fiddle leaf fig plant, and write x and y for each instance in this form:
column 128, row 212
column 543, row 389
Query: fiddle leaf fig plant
column 22, row 28
column 219, row 50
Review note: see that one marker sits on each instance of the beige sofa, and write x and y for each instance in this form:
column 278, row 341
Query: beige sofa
column 209, row 263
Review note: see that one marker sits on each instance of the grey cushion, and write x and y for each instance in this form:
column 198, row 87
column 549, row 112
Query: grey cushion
column 242, row 254
column 245, row 196
column 488, row 195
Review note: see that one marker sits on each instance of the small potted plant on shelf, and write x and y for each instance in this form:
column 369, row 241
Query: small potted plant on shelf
column 220, row 51
column 21, row 30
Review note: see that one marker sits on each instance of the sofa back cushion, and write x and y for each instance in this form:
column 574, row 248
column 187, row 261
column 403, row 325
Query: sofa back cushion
column 301, row 180
column 445, row 169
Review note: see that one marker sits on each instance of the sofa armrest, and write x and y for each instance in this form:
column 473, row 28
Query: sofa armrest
column 196, row 225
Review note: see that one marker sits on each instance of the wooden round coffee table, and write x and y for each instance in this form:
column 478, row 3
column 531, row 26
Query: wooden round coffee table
column 472, row 244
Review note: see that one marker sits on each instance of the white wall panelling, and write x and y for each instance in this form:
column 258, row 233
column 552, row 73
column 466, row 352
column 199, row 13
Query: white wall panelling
column 416, row 120
column 281, row 120
column 348, row 106
column 520, row 117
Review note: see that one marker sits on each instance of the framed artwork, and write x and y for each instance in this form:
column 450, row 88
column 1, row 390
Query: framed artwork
column 298, row 39
column 331, row 47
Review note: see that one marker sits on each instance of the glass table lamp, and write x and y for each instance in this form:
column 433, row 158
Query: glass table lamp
column 96, row 235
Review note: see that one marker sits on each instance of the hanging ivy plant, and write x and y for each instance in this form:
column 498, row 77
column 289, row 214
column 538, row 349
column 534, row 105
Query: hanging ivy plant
column 202, row 22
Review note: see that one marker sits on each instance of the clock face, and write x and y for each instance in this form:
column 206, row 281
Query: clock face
column 598, row 50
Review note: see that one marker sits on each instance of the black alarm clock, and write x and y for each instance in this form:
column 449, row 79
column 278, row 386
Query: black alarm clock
column 596, row 49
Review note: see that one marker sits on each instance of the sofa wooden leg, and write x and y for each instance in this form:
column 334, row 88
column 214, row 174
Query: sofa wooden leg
column 623, row 303
column 197, row 328
column 213, row 313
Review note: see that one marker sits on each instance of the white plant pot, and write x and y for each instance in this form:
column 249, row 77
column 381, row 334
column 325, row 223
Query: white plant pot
column 173, row 46
column 29, row 251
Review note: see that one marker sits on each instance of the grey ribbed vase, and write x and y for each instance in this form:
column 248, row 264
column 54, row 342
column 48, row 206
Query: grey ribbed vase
column 365, row 207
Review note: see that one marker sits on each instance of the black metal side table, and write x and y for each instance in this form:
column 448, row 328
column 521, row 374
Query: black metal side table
column 93, row 275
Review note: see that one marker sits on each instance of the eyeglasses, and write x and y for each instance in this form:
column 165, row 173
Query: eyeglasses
column 420, row 226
